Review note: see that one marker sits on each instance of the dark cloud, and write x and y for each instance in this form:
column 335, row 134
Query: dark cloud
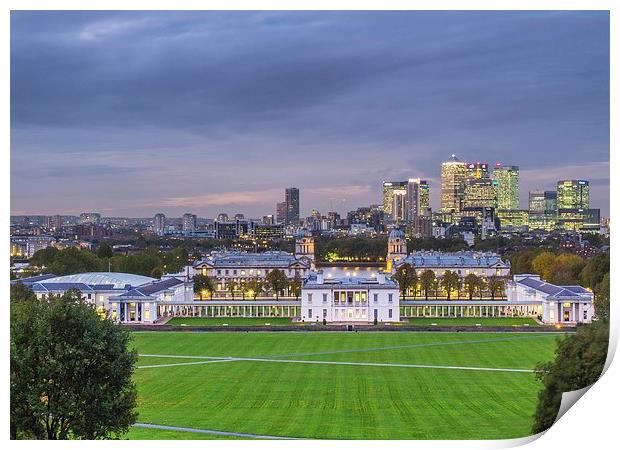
column 202, row 100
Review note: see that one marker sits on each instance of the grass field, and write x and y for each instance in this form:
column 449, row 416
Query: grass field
column 340, row 385
column 279, row 321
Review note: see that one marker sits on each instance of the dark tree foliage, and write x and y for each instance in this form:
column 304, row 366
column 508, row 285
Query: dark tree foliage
column 67, row 261
column 277, row 281
column 105, row 250
column 406, row 277
column 594, row 271
column 70, row 371
column 521, row 262
column 579, row 362
column 433, row 243
column 20, row 292
column 356, row 248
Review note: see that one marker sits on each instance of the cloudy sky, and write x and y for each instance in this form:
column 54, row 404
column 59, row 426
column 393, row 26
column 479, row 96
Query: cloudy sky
column 133, row 113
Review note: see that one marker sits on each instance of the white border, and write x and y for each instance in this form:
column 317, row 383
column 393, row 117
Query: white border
column 591, row 423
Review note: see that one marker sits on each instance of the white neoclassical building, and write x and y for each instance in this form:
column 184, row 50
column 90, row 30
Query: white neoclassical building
column 349, row 299
column 557, row 304
column 124, row 297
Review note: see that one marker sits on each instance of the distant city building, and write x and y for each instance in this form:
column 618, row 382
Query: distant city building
column 543, row 212
column 269, row 219
column 579, row 219
column 159, row 224
column 371, row 217
column 425, row 200
column 507, row 184
column 573, row 194
column 189, row 222
column 291, row 197
column 480, row 193
column 477, row 170
column 54, row 222
column 399, row 205
column 388, row 195
column 90, row 218
column 239, row 217
column 222, row 217
column 281, row 212
column 267, row 231
column 453, row 176
column 414, row 200
column 516, row 219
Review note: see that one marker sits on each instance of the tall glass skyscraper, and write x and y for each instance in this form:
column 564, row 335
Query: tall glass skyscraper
column 291, row 198
column 388, row 195
column 573, row 194
column 453, row 176
column 507, row 179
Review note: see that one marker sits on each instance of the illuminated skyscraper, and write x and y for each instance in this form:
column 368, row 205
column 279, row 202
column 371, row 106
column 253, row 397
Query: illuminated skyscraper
column 291, row 197
column 425, row 201
column 453, row 176
column 480, row 193
column 189, row 222
column 477, row 170
column 388, row 195
column 573, row 194
column 507, row 179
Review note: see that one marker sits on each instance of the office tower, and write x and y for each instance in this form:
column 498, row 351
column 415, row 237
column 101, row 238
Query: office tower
column 281, row 212
column 159, row 223
column 334, row 218
column 543, row 210
column 54, row 222
column 507, row 179
column 453, row 176
column 222, row 217
column 90, row 218
column 291, row 197
column 480, row 193
column 573, row 194
column 477, row 170
column 399, row 204
column 388, row 195
column 189, row 222
column 537, row 202
column 269, row 219
column 425, row 200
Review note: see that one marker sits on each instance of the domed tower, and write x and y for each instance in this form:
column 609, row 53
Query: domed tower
column 397, row 247
column 304, row 245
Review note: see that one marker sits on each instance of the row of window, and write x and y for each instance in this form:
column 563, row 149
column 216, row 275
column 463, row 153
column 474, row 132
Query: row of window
column 350, row 314
column 348, row 297
column 252, row 272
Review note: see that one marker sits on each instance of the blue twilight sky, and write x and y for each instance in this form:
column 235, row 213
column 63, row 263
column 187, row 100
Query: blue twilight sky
column 133, row 113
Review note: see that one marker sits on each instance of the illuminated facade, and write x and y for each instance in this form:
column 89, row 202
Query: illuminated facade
column 477, row 170
column 480, row 193
column 453, row 176
column 543, row 211
column 388, row 195
column 513, row 218
column 350, row 299
column 507, row 182
column 573, row 194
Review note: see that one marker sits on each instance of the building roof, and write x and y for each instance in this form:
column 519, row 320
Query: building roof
column 35, row 279
column 552, row 290
column 147, row 290
column 270, row 259
column 396, row 233
column 454, row 259
column 118, row 280
column 350, row 282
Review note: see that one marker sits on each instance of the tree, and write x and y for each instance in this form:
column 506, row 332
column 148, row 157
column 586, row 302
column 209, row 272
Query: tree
column 231, row 286
column 406, row 277
column 472, row 282
column 202, row 285
column 601, row 299
column 255, row 286
column 277, row 281
column 543, row 264
column 450, row 281
column 496, row 285
column 566, row 269
column 157, row 272
column 295, row 286
column 243, row 286
column 427, row 280
column 105, row 250
column 70, row 371
column 20, row 292
column 594, row 271
column 579, row 362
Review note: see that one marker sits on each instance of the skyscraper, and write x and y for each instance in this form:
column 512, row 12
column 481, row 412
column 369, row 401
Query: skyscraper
column 281, row 212
column 477, row 170
column 480, row 193
column 399, row 204
column 573, row 194
column 425, row 201
column 543, row 211
column 189, row 222
column 90, row 218
column 507, row 179
column 291, row 197
column 388, row 195
column 453, row 176
column 159, row 223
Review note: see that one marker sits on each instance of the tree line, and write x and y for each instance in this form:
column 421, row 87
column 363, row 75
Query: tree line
column 427, row 283
column 276, row 282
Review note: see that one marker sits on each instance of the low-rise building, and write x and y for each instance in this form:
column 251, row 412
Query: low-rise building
column 349, row 299
column 557, row 304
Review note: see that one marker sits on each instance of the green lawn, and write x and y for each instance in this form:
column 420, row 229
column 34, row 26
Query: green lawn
column 329, row 399
column 474, row 321
column 152, row 434
column 230, row 321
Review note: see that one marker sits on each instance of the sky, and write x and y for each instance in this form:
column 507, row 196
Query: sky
column 134, row 113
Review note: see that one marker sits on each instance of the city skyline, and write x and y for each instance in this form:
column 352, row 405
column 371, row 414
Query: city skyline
column 202, row 124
